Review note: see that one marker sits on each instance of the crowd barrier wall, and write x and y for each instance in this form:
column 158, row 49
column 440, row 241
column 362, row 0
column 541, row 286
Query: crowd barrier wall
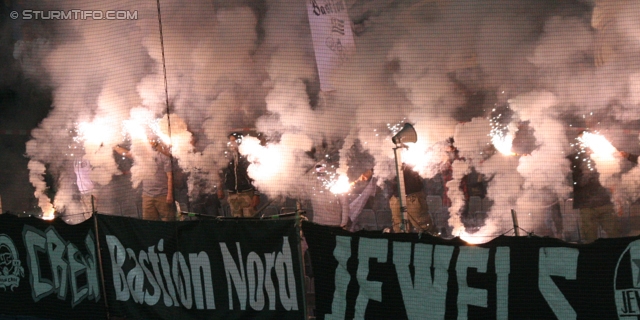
column 115, row 267
column 112, row 267
column 374, row 275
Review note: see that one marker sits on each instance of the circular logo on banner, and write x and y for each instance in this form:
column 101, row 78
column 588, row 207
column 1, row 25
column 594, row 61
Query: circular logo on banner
column 11, row 269
column 626, row 282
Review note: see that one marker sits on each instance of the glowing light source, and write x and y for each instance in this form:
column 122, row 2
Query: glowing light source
column 267, row 161
column 501, row 138
column 48, row 214
column 135, row 129
column 418, row 156
column 503, row 144
column 341, row 185
column 599, row 145
column 331, row 180
column 475, row 238
column 92, row 132
column 157, row 129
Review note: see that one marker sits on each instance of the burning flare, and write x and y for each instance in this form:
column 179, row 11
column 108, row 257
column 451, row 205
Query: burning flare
column 341, row 185
column 501, row 136
column 48, row 214
column 599, row 145
column 266, row 161
column 418, row 156
column 476, row 238
column 503, row 144
column 96, row 132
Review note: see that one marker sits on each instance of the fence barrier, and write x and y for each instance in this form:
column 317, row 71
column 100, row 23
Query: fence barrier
column 112, row 267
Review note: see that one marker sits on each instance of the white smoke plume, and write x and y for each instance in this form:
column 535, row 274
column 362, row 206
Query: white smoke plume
column 443, row 66
column 108, row 81
column 473, row 142
column 460, row 169
column 274, row 163
column 546, row 169
column 36, row 177
column 503, row 190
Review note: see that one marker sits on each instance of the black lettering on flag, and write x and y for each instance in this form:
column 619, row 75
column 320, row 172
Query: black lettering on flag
column 337, row 26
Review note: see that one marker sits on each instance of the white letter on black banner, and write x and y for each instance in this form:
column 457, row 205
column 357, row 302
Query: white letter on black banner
column 117, row 253
column 236, row 274
column 415, row 292
column 149, row 299
column 503, row 268
column 36, row 242
column 135, row 279
column 342, row 252
column 255, row 278
column 369, row 290
column 92, row 268
column 183, row 283
column 270, row 263
column 470, row 257
column 201, row 273
column 561, row 262
column 284, row 271
column 56, row 248
column 76, row 268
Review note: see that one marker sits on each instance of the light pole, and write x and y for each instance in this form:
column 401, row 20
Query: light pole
column 407, row 134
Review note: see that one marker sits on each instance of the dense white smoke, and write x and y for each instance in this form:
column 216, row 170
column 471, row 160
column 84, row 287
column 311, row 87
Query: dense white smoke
column 447, row 67
column 108, row 81
column 36, row 177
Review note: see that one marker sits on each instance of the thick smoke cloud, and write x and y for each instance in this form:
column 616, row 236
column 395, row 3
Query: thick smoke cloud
column 108, row 81
column 450, row 68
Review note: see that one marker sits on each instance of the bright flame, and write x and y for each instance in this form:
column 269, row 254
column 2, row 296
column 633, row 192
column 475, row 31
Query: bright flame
column 475, row 238
column 48, row 214
column 341, row 185
column 157, row 130
column 501, row 136
column 141, row 121
column 266, row 161
column 416, row 155
column 95, row 132
column 503, row 144
column 135, row 129
column 600, row 146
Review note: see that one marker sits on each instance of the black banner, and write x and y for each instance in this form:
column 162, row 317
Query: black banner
column 372, row 275
column 49, row 269
column 215, row 269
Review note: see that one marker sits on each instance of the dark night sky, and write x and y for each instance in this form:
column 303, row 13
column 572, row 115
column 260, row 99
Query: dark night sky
column 23, row 104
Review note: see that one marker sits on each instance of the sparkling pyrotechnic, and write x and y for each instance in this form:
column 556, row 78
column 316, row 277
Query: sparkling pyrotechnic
column 137, row 129
column 418, row 156
column 501, row 137
column 503, row 144
column 341, row 185
column 156, row 128
column 96, row 132
column 599, row 145
column 333, row 181
column 134, row 129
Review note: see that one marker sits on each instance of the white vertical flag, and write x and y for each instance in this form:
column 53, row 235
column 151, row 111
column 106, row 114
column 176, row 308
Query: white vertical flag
column 332, row 37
